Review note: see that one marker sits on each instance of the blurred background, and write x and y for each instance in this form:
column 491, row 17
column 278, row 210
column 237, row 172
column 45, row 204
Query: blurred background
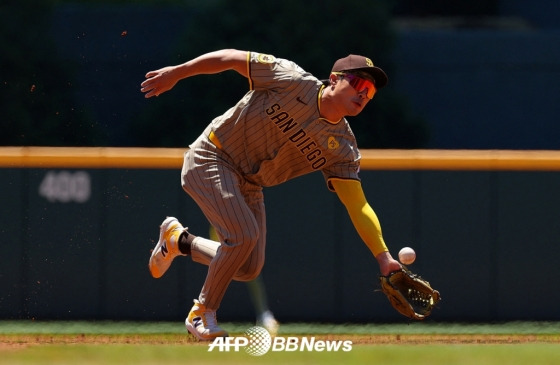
column 463, row 74
column 478, row 74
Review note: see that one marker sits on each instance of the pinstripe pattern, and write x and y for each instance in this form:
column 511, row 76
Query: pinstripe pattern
column 235, row 208
column 273, row 134
column 284, row 99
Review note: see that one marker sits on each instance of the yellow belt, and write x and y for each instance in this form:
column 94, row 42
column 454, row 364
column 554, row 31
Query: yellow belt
column 212, row 137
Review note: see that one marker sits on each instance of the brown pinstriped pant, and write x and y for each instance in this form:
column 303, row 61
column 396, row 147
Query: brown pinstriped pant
column 235, row 208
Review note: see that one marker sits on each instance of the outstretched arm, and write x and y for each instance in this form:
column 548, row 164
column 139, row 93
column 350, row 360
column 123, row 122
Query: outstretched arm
column 164, row 79
column 365, row 221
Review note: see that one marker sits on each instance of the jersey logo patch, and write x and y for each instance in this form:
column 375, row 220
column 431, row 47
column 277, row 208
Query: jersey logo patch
column 333, row 143
column 266, row 58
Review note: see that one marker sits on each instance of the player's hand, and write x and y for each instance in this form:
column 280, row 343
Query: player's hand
column 158, row 82
column 387, row 264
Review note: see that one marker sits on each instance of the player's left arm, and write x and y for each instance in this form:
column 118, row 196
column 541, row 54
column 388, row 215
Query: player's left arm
column 363, row 217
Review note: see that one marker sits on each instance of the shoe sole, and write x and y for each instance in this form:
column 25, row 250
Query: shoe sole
column 162, row 229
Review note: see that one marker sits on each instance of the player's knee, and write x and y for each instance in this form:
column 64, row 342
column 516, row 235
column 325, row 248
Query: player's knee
column 251, row 269
column 249, row 274
column 245, row 239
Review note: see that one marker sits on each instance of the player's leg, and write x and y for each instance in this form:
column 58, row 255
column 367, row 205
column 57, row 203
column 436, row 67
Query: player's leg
column 239, row 218
column 226, row 201
column 257, row 289
column 203, row 250
column 230, row 256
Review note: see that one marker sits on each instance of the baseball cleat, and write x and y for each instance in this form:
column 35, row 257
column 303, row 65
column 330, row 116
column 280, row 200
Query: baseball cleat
column 201, row 322
column 267, row 320
column 167, row 247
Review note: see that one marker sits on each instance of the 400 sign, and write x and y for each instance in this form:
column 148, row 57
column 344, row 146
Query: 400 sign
column 66, row 186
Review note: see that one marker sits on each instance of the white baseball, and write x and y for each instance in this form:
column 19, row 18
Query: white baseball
column 407, row 255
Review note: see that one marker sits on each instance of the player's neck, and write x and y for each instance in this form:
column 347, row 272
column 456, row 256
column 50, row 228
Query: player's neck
column 327, row 109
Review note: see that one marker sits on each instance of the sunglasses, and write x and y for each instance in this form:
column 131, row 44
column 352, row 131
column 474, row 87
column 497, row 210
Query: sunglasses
column 359, row 84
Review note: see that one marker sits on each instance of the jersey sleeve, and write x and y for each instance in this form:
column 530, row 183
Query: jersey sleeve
column 347, row 160
column 341, row 172
column 272, row 73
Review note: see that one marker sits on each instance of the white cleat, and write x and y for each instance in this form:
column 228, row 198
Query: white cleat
column 167, row 247
column 202, row 323
column 267, row 320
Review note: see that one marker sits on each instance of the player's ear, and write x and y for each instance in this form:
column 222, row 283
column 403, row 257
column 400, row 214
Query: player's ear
column 333, row 79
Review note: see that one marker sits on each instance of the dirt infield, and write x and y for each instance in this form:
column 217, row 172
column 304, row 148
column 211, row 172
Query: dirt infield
column 18, row 341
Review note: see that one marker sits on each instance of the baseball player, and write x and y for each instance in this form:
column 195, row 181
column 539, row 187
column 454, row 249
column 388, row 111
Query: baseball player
column 288, row 124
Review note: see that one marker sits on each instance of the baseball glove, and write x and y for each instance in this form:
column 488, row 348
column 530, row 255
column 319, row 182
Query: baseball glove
column 409, row 294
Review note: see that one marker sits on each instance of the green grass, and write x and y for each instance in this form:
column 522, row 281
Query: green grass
column 383, row 354
column 32, row 342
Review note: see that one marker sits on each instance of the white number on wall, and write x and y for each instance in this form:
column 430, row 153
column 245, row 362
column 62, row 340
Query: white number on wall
column 66, row 186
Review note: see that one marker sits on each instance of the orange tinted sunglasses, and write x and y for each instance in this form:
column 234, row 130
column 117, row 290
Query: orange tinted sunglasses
column 359, row 84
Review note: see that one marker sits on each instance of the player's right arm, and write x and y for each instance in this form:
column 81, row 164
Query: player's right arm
column 164, row 79
column 365, row 221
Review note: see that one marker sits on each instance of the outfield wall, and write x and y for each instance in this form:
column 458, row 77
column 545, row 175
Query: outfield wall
column 78, row 226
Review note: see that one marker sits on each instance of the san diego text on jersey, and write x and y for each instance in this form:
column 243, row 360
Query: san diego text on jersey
column 297, row 136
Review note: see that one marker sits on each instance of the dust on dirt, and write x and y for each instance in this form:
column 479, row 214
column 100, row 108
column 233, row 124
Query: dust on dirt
column 19, row 341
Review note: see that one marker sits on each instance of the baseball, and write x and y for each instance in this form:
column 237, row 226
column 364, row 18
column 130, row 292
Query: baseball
column 407, row 256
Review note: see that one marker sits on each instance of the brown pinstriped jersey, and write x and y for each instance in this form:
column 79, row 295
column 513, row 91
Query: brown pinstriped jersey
column 275, row 133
